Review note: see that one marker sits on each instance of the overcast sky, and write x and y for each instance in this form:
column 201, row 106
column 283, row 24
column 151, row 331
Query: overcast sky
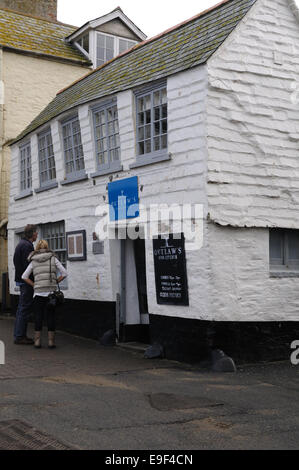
column 151, row 17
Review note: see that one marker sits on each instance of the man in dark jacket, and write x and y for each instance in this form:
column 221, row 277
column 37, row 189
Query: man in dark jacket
column 22, row 251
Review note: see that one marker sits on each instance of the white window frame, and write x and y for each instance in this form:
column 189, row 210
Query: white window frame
column 93, row 45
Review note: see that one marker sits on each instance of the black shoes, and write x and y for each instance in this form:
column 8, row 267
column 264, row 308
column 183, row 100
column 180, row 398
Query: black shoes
column 24, row 341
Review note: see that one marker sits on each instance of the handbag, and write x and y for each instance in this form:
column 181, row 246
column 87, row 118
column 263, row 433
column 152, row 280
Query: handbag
column 56, row 298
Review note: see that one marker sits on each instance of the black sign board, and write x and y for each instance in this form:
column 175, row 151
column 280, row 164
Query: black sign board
column 170, row 270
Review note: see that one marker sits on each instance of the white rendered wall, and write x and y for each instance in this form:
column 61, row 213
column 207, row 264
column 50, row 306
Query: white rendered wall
column 253, row 121
column 241, row 287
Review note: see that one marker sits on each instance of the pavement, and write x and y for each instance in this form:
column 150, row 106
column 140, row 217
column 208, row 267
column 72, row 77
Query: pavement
column 86, row 396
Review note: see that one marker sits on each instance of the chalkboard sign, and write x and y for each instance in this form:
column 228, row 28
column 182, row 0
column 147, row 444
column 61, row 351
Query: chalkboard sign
column 170, row 270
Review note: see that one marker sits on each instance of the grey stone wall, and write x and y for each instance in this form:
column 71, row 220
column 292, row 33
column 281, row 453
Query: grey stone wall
column 42, row 8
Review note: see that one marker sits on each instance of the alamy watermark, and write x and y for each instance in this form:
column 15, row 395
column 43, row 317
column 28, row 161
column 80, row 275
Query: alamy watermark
column 148, row 222
column 2, row 353
column 295, row 355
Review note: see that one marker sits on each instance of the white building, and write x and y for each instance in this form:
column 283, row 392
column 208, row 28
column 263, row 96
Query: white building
column 206, row 114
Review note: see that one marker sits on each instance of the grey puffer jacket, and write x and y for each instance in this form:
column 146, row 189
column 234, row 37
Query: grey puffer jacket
column 44, row 270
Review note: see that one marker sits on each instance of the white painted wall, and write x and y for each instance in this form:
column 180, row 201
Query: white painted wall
column 252, row 123
column 253, row 165
column 241, row 287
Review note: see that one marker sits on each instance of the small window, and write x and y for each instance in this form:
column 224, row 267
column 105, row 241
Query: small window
column 152, row 122
column 25, row 168
column 125, row 45
column 84, row 43
column 47, row 169
column 105, row 49
column 284, row 249
column 106, row 133
column 73, row 150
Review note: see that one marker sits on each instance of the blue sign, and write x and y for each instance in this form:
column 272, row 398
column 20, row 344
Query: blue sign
column 123, row 199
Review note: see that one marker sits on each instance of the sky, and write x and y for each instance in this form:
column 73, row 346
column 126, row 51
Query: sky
column 151, row 17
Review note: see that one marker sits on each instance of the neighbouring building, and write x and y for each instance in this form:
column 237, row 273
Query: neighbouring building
column 38, row 57
column 205, row 114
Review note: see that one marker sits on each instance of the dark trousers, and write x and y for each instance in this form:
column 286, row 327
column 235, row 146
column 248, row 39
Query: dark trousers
column 43, row 310
column 23, row 311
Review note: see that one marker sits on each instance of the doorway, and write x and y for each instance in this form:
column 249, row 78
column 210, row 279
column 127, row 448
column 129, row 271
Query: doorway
column 134, row 316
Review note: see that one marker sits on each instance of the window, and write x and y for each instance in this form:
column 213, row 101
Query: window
column 54, row 234
column 108, row 47
column 106, row 132
column 152, row 121
column 73, row 150
column 105, row 48
column 84, row 42
column 25, row 167
column 47, row 169
column 125, row 45
column 284, row 249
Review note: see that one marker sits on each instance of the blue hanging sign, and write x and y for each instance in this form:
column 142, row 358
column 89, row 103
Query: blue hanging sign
column 123, row 199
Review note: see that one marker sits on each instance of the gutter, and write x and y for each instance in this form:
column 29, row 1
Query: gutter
column 81, row 63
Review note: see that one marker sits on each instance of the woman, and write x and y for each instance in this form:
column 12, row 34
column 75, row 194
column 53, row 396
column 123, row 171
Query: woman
column 44, row 265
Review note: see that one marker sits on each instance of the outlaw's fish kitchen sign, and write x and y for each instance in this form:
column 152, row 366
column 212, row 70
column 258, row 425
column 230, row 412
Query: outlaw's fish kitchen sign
column 171, row 270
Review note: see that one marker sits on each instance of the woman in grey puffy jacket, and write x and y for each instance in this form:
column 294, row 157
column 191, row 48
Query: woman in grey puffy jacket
column 44, row 265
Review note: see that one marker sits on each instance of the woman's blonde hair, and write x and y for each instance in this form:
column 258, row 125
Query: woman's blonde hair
column 42, row 245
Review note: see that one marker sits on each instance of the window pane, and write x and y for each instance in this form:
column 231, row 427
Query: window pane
column 123, row 45
column 73, row 150
column 293, row 245
column 276, row 247
column 109, row 42
column 86, row 42
column 107, row 137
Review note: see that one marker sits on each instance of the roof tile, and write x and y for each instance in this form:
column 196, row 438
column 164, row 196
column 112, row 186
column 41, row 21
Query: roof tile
column 36, row 35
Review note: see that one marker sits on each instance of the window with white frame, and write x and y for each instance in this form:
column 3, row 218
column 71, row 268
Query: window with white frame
column 106, row 134
column 284, row 249
column 152, row 121
column 47, row 170
column 72, row 145
column 108, row 46
column 25, row 167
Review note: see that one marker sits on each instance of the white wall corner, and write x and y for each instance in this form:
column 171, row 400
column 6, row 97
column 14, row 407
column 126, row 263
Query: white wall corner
column 235, row 33
column 294, row 8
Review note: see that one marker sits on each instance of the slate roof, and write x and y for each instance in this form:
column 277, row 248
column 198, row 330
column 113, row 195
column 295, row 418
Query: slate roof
column 188, row 45
column 29, row 34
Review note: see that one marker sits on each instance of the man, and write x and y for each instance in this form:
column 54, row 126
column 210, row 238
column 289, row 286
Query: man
column 22, row 251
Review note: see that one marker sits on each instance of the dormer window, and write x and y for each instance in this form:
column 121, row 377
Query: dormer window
column 106, row 37
column 109, row 46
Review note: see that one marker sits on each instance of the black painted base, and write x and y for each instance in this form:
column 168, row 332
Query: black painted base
column 89, row 319
column 139, row 333
column 182, row 339
column 192, row 340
